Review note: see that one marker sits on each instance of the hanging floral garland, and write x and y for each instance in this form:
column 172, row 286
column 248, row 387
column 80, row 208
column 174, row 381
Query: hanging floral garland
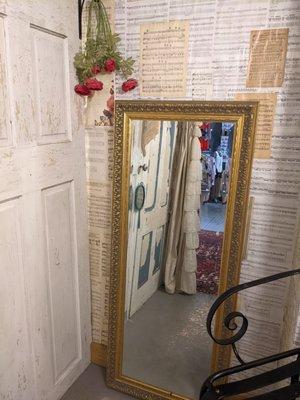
column 100, row 54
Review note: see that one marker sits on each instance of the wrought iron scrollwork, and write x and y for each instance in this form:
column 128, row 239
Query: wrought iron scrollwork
column 231, row 318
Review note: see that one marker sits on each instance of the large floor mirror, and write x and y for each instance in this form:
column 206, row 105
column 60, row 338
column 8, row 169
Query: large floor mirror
column 181, row 183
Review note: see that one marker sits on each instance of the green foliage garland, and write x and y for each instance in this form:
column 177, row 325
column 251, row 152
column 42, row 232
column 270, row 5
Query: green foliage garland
column 100, row 46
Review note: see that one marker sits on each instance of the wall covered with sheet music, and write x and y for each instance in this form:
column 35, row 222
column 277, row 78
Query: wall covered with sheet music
column 220, row 50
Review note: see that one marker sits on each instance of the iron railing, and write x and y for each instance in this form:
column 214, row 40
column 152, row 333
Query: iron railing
column 212, row 391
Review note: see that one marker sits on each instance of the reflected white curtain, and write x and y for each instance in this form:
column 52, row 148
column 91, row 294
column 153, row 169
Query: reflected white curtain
column 182, row 235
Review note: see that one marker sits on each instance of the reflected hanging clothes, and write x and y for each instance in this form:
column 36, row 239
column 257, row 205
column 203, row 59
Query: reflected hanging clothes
column 204, row 144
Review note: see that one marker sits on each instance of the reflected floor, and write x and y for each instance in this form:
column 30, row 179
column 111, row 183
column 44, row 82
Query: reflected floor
column 212, row 217
column 166, row 343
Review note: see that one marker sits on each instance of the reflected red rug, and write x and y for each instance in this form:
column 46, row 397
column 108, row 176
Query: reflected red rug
column 209, row 256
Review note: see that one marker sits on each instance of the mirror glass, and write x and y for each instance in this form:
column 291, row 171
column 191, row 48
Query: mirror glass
column 179, row 186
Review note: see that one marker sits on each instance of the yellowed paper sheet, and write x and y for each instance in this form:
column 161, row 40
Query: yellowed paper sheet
column 265, row 121
column 163, row 60
column 267, row 57
column 99, row 158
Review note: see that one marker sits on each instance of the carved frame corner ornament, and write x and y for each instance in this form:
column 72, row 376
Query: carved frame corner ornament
column 243, row 114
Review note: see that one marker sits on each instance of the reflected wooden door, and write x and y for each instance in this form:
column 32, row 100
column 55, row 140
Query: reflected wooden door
column 156, row 150
column 44, row 270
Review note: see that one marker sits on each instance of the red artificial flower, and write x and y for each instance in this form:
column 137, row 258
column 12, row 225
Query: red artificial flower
column 81, row 89
column 110, row 65
column 93, row 84
column 130, row 84
column 96, row 69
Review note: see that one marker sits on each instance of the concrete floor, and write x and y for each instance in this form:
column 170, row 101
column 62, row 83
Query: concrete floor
column 91, row 386
column 166, row 343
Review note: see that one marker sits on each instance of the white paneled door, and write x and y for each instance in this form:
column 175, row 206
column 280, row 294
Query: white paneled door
column 148, row 226
column 44, row 270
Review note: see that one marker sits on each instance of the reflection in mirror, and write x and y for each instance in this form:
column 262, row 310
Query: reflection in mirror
column 179, row 184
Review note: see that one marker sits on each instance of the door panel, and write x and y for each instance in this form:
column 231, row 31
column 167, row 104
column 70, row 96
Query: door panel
column 44, row 266
column 53, row 118
column 62, row 276
column 16, row 375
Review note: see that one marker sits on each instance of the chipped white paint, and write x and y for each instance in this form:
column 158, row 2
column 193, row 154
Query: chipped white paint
column 44, row 271
column 5, row 129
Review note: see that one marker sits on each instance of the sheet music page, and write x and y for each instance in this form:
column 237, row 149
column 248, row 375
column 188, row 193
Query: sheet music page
column 267, row 57
column 163, row 59
column 129, row 16
column 269, row 242
column 233, row 23
column 265, row 120
column 99, row 146
column 201, row 16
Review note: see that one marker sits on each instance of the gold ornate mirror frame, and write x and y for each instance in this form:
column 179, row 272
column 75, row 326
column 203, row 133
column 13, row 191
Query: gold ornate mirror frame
column 243, row 115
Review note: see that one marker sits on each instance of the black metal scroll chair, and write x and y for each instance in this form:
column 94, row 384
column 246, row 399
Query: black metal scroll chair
column 290, row 370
